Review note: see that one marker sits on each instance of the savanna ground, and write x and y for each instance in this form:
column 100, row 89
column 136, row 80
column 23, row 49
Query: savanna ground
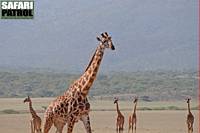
column 14, row 117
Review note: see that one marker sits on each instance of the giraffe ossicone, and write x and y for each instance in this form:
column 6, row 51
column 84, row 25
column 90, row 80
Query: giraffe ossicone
column 73, row 105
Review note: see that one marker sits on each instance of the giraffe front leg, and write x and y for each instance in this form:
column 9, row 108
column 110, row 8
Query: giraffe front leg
column 70, row 126
column 32, row 130
column 132, row 127
column 86, row 121
column 59, row 126
column 129, row 127
column 34, row 127
column 190, row 129
column 135, row 125
column 123, row 125
column 59, row 130
column 117, row 127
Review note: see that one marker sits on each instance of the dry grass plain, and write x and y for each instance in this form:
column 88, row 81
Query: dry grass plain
column 101, row 121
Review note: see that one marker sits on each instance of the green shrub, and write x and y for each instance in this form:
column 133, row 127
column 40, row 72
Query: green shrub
column 10, row 111
column 145, row 108
column 173, row 108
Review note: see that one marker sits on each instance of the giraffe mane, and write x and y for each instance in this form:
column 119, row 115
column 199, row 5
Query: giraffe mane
column 91, row 60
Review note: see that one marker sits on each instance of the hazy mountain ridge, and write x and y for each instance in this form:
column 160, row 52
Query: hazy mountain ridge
column 148, row 85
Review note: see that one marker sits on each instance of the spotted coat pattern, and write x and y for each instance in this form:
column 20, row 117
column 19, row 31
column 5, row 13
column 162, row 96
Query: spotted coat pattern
column 73, row 105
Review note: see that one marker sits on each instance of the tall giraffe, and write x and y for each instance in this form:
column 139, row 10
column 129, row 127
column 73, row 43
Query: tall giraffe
column 120, row 117
column 36, row 120
column 73, row 104
column 190, row 118
column 133, row 117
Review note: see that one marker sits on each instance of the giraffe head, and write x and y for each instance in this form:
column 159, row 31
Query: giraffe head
column 115, row 100
column 28, row 99
column 135, row 100
column 105, row 41
column 188, row 100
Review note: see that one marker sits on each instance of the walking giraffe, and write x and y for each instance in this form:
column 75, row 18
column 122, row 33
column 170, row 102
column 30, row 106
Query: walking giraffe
column 73, row 104
column 190, row 118
column 133, row 117
column 120, row 117
column 36, row 120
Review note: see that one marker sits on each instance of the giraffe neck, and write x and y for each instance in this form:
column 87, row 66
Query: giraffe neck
column 86, row 80
column 117, row 106
column 32, row 111
column 189, row 107
column 134, row 108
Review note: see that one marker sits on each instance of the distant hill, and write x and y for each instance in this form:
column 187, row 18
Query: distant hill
column 148, row 35
column 148, row 85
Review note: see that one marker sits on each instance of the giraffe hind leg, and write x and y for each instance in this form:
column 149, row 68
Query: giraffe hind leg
column 47, row 125
column 86, row 121
column 191, row 128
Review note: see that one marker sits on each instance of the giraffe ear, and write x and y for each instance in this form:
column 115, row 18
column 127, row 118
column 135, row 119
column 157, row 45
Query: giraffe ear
column 186, row 98
column 103, row 35
column 98, row 38
column 116, row 98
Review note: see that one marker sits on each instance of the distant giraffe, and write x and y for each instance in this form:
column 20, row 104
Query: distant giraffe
column 73, row 105
column 120, row 117
column 190, row 118
column 36, row 120
column 133, row 117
